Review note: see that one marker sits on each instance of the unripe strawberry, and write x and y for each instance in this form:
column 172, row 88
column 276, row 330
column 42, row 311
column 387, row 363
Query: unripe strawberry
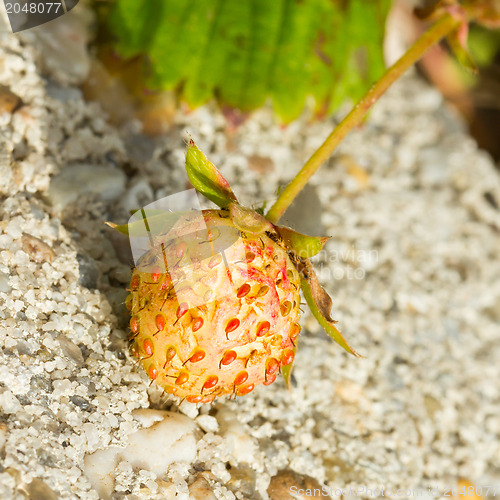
column 243, row 326
column 215, row 297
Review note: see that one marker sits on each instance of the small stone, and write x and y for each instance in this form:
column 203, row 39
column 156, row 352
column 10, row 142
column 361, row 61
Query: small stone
column 63, row 94
column 4, row 283
column 290, row 485
column 261, row 164
column 137, row 195
column 242, row 446
column 39, row 384
column 140, row 147
column 89, row 273
column 357, row 177
column 200, row 489
column 37, row 212
column 243, row 481
column 267, row 446
column 61, row 388
column 63, row 48
column 106, row 182
column 9, row 403
column 37, row 249
column 121, row 274
column 3, row 435
column 71, row 350
column 165, row 439
column 207, row 423
column 9, row 101
column 188, row 409
column 82, row 403
column 92, row 435
column 38, row 490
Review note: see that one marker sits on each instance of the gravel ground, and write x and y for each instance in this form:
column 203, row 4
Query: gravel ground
column 413, row 267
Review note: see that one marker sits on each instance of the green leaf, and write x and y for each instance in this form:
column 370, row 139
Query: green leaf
column 320, row 304
column 304, row 246
column 182, row 31
column 135, row 22
column 293, row 56
column 206, row 179
column 357, row 50
column 244, row 52
column 483, row 44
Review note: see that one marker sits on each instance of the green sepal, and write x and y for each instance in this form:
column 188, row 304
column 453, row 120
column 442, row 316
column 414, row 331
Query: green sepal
column 286, row 371
column 152, row 223
column 248, row 220
column 121, row 228
column 206, row 179
column 457, row 42
column 320, row 304
column 304, row 246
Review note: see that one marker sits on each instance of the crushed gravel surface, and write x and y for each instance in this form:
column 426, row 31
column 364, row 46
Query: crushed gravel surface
column 413, row 267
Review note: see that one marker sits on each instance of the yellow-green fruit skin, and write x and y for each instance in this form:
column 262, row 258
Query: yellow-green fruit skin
column 243, row 327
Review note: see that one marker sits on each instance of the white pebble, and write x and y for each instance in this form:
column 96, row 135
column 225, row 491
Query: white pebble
column 207, row 423
column 4, row 283
column 166, row 438
column 241, row 445
column 72, row 182
column 9, row 403
column 61, row 388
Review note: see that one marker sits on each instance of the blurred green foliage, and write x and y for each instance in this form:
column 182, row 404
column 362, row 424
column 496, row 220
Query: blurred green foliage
column 484, row 44
column 244, row 51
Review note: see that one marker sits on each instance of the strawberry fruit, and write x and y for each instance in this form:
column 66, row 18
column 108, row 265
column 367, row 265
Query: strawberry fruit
column 214, row 300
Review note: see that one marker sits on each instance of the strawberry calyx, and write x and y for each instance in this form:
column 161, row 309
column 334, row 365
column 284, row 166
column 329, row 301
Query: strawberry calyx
column 303, row 246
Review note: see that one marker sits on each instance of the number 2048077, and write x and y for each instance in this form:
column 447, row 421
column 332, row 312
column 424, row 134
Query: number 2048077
column 32, row 8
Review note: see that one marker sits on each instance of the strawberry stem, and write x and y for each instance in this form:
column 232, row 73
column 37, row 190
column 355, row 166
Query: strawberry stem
column 433, row 35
